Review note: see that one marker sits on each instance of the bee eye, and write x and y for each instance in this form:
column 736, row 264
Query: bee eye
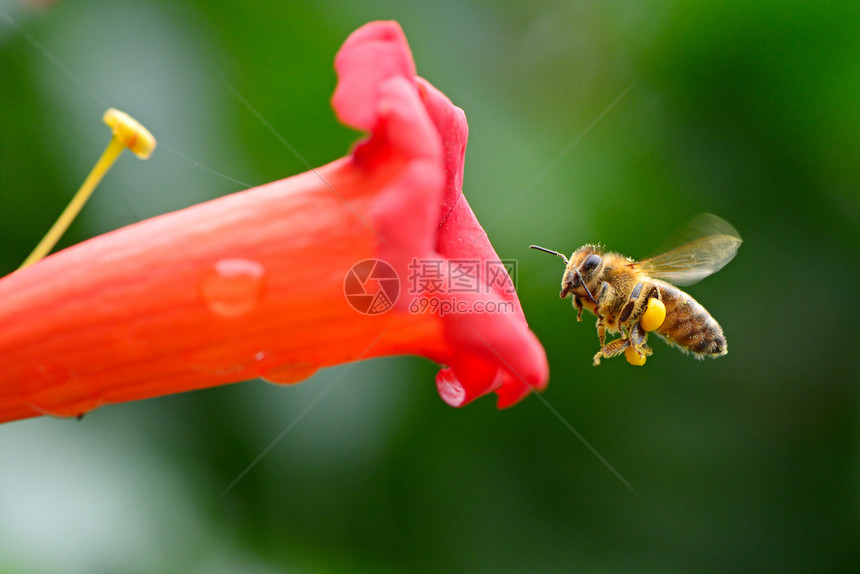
column 590, row 263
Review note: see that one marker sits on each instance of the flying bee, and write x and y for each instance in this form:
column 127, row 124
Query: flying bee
column 635, row 297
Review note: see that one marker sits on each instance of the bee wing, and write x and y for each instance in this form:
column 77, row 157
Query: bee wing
column 690, row 263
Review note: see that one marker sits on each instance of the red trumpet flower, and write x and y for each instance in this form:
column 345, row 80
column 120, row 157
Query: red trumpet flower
column 374, row 254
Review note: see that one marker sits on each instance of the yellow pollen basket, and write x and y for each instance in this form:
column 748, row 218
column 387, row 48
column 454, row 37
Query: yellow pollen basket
column 633, row 357
column 654, row 315
column 652, row 318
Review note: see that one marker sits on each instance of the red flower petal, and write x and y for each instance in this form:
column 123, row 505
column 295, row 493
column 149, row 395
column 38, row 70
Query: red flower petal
column 375, row 53
column 370, row 56
column 253, row 284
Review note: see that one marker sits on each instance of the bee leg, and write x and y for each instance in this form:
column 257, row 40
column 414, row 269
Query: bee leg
column 634, row 309
column 635, row 337
column 626, row 311
column 639, row 340
column 601, row 335
column 613, row 349
column 577, row 302
column 602, row 295
column 635, row 299
column 636, row 303
column 601, row 331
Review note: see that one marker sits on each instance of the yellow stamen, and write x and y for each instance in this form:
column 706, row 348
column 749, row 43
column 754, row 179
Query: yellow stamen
column 127, row 133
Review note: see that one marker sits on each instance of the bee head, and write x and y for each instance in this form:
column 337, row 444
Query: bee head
column 582, row 271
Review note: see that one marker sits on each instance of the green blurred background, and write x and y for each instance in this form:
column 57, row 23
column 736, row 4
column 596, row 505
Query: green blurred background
column 750, row 110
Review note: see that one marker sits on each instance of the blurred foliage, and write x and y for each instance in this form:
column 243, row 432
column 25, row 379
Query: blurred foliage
column 747, row 110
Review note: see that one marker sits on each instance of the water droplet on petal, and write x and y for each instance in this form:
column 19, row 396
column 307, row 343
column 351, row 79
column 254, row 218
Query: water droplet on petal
column 233, row 287
column 289, row 373
column 52, row 390
column 450, row 388
column 231, row 360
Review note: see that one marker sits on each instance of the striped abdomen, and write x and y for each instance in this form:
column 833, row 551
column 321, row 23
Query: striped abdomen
column 689, row 325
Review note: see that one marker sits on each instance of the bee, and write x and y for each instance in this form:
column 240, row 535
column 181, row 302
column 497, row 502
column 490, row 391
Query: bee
column 634, row 298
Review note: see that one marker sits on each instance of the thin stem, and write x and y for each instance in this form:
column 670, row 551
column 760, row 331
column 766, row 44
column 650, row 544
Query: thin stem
column 111, row 153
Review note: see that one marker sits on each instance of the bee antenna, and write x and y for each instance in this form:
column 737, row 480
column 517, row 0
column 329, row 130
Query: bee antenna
column 581, row 282
column 584, row 286
column 550, row 251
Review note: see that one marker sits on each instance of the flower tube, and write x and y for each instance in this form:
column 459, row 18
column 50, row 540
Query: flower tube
column 269, row 282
